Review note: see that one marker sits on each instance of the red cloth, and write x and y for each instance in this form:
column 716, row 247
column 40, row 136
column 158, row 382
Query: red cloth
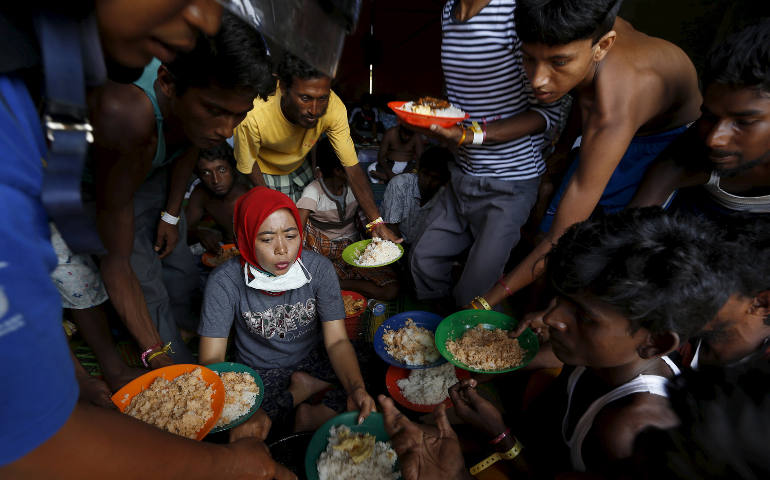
column 251, row 209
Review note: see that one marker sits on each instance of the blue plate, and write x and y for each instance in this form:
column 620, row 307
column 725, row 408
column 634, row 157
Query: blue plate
column 373, row 424
column 426, row 320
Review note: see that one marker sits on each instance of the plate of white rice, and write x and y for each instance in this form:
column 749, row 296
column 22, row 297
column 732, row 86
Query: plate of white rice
column 343, row 450
column 371, row 253
column 423, row 390
column 244, row 392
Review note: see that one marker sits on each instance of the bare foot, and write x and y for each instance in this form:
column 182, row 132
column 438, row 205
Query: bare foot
column 116, row 380
column 304, row 386
column 308, row 418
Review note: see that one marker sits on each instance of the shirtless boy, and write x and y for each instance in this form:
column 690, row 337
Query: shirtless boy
column 216, row 196
column 633, row 95
column 399, row 151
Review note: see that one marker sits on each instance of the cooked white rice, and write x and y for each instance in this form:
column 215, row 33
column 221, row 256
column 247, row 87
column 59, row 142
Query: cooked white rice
column 411, row 344
column 335, row 464
column 378, row 251
column 429, row 386
column 240, row 394
column 453, row 112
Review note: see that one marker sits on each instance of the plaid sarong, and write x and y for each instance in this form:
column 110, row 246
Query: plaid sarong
column 292, row 183
column 332, row 249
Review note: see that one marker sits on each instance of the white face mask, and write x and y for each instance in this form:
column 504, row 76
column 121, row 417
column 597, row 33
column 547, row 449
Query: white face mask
column 296, row 277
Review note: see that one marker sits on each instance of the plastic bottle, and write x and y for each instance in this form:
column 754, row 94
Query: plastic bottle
column 378, row 315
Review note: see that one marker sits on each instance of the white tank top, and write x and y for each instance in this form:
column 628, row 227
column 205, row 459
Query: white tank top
column 654, row 384
column 734, row 202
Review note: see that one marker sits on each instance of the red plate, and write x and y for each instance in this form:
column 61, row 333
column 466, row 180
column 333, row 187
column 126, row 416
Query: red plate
column 420, row 120
column 396, row 373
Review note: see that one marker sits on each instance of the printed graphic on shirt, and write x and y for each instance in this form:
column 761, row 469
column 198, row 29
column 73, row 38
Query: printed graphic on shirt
column 283, row 321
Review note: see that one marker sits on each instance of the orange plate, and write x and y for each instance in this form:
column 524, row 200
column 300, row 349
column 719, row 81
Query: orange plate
column 420, row 120
column 209, row 259
column 397, row 373
column 122, row 398
column 356, row 296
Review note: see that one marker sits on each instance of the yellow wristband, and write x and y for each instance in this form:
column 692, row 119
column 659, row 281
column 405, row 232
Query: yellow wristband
column 374, row 223
column 163, row 350
column 483, row 302
column 495, row 457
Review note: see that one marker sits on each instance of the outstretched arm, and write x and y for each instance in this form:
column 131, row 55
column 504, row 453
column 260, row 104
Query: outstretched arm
column 123, row 149
column 604, row 144
column 181, row 171
column 345, row 364
column 109, row 444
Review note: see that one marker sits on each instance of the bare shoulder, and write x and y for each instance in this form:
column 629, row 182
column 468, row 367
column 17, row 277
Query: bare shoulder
column 617, row 425
column 122, row 115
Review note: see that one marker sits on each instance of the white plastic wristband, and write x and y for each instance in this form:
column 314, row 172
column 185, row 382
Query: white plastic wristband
column 168, row 218
column 478, row 138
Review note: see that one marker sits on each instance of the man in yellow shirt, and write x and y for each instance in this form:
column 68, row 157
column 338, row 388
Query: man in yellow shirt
column 272, row 143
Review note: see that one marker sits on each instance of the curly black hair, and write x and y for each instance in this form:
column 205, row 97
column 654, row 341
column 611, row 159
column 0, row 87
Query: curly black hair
column 662, row 272
column 235, row 59
column 559, row 22
column 223, row 151
column 292, row 67
column 743, row 60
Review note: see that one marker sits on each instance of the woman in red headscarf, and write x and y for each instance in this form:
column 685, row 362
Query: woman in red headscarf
column 282, row 302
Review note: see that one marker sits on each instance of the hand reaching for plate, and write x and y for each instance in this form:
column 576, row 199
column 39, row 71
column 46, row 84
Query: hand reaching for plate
column 424, row 452
column 476, row 410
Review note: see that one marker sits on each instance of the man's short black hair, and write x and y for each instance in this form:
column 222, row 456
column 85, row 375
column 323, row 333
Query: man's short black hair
column 724, row 416
column 223, row 151
column 326, row 158
column 749, row 233
column 559, row 22
column 234, row 59
column 741, row 61
column 660, row 271
column 436, row 159
column 292, row 67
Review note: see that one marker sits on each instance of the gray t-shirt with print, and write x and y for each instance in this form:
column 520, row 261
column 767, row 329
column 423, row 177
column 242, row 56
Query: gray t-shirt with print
column 271, row 331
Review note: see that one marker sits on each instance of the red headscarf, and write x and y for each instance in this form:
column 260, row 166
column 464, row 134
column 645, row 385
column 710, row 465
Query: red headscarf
column 251, row 209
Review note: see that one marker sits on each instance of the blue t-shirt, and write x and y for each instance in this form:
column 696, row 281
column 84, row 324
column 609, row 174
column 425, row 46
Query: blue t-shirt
column 38, row 389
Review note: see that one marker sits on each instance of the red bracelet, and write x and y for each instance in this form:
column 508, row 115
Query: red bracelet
column 508, row 291
column 500, row 437
column 149, row 351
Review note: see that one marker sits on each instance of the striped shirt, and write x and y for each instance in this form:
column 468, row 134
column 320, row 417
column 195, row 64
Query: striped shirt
column 484, row 75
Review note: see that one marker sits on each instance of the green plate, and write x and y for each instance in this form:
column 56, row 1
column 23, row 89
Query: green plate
column 354, row 250
column 239, row 367
column 373, row 424
column 453, row 327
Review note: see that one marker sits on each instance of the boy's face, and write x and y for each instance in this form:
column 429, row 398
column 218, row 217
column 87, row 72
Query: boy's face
column 737, row 330
column 306, row 100
column 735, row 128
column 554, row 70
column 588, row 332
column 208, row 115
column 132, row 32
column 216, row 175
